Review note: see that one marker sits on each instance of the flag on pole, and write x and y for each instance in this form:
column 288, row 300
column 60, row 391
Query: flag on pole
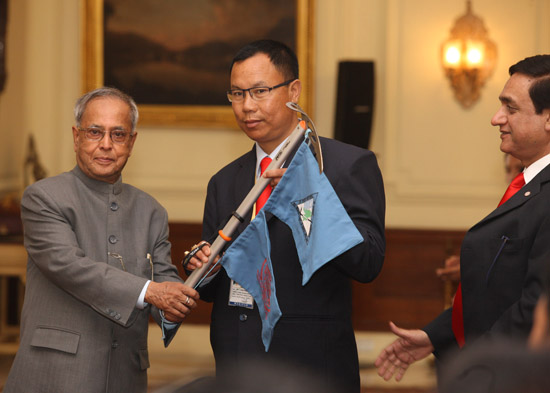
column 248, row 262
column 305, row 200
column 322, row 230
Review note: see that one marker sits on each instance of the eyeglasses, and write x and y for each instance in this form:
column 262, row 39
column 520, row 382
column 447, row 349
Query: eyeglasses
column 120, row 137
column 256, row 93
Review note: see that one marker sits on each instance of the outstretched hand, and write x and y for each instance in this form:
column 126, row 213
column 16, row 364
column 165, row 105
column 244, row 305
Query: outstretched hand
column 410, row 346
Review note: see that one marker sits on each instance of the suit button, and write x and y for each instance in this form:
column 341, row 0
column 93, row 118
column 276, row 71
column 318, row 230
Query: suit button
column 243, row 317
column 112, row 313
column 114, row 344
column 114, row 206
column 113, row 239
column 117, row 317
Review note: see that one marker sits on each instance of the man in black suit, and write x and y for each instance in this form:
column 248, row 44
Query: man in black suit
column 504, row 256
column 315, row 330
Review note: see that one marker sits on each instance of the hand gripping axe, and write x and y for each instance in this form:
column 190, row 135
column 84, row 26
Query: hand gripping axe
column 304, row 128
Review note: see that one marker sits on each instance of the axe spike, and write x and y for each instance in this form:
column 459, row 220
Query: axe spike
column 313, row 138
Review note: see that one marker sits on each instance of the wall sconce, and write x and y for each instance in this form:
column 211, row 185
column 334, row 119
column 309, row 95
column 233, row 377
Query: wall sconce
column 468, row 57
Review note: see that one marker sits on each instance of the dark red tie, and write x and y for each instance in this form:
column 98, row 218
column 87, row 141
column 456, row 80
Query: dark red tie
column 458, row 321
column 262, row 199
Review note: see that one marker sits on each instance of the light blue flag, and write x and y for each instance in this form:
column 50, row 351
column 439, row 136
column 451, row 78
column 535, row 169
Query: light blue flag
column 248, row 262
column 305, row 200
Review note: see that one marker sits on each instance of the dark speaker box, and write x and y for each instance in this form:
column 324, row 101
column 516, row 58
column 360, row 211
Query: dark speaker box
column 355, row 102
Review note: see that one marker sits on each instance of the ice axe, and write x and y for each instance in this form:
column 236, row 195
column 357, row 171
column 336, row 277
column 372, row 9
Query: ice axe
column 305, row 126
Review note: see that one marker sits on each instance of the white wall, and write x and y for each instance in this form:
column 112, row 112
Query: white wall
column 441, row 163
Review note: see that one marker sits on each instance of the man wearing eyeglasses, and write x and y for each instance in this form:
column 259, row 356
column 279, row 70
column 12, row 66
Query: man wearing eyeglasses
column 315, row 331
column 98, row 265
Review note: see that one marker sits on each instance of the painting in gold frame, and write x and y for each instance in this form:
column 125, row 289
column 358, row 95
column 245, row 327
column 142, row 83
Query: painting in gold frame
column 97, row 66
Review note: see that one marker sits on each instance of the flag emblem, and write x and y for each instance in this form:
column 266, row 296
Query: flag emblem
column 304, row 207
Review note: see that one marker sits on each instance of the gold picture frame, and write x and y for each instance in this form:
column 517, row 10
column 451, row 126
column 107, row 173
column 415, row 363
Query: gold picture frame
column 93, row 70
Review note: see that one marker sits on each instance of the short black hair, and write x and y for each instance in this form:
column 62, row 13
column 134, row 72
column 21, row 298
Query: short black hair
column 282, row 57
column 537, row 67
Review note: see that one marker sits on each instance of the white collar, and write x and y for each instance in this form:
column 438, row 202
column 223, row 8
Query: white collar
column 260, row 154
column 533, row 170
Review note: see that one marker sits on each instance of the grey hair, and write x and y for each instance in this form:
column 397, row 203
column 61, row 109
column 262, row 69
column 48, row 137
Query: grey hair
column 83, row 102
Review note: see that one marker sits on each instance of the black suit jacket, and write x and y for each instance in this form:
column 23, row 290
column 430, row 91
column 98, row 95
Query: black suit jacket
column 315, row 330
column 502, row 260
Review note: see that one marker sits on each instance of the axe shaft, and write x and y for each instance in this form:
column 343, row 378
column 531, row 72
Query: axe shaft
column 295, row 138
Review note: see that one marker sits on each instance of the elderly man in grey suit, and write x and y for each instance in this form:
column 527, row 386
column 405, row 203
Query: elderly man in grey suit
column 98, row 265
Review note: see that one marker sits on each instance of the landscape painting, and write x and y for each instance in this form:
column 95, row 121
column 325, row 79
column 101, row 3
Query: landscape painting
column 173, row 56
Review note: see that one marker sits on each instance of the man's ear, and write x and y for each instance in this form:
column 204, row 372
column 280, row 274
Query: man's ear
column 131, row 143
column 294, row 90
column 75, row 138
column 546, row 114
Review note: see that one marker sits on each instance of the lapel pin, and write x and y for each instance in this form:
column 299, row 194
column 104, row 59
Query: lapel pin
column 527, row 193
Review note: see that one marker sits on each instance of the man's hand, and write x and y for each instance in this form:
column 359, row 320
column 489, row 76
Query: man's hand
column 412, row 345
column 201, row 257
column 275, row 175
column 451, row 271
column 175, row 299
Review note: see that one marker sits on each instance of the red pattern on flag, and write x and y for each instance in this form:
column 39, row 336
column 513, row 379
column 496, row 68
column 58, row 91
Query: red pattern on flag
column 264, row 279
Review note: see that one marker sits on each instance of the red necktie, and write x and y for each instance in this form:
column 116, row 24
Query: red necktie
column 262, row 199
column 515, row 186
column 458, row 321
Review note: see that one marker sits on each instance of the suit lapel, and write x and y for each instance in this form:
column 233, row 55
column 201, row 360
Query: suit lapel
column 528, row 191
